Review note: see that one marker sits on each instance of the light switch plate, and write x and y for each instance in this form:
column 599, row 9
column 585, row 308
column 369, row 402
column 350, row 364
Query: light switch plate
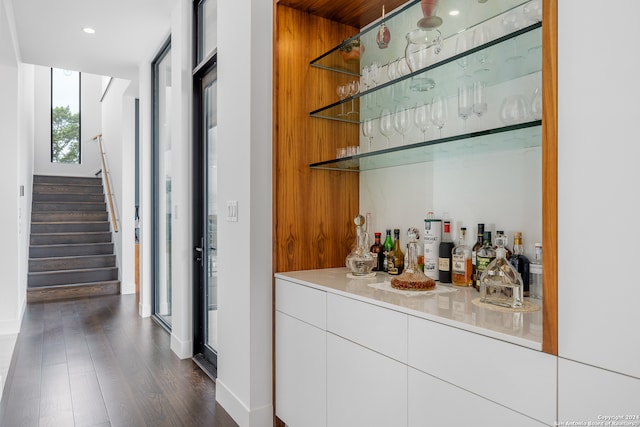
column 232, row 210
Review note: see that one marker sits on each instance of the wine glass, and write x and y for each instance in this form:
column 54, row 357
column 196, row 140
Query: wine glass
column 462, row 45
column 367, row 130
column 422, row 118
column 514, row 109
column 439, row 112
column 401, row 121
column 352, row 89
column 386, row 125
column 481, row 36
column 342, row 91
column 479, row 98
column 465, row 101
column 392, row 73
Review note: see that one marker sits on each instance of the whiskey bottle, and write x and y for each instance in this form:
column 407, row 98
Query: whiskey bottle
column 378, row 253
column 398, row 255
column 445, row 251
column 520, row 262
column 484, row 256
column 474, row 250
column 461, row 268
column 432, row 236
column 387, row 247
column 535, row 274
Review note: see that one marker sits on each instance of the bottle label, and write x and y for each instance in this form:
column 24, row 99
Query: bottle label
column 535, row 268
column 473, row 257
column 458, row 264
column 443, row 264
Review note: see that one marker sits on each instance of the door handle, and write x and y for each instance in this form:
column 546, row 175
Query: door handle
column 199, row 255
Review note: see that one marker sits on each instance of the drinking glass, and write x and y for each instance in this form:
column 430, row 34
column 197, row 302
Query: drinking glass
column 422, row 118
column 392, row 73
column 352, row 89
column 439, row 112
column 536, row 104
column 342, row 91
column 401, row 121
column 462, row 45
column 514, row 109
column 479, row 98
column 465, row 101
column 367, row 130
column 386, row 125
column 481, row 36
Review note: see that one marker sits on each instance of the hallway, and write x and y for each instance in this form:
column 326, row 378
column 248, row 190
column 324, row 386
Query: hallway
column 95, row 362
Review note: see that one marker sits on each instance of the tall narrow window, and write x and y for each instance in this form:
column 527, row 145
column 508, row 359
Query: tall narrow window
column 65, row 116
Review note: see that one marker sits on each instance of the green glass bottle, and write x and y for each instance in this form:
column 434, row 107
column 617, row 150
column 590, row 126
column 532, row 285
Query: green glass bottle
column 387, row 247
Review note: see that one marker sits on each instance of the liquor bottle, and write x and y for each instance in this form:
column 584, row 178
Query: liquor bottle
column 535, row 273
column 474, row 250
column 378, row 253
column 484, row 256
column 499, row 235
column 432, row 235
column 461, row 268
column 398, row 255
column 445, row 251
column 520, row 262
column 500, row 282
column 387, row 247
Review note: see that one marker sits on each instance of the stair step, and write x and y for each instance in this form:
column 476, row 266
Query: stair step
column 68, row 197
column 42, row 188
column 69, row 227
column 90, row 216
column 71, row 263
column 66, row 277
column 40, row 239
column 67, row 180
column 50, row 251
column 68, row 206
column 77, row 290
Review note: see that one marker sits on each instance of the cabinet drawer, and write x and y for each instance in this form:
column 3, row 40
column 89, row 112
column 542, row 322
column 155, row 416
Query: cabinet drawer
column 376, row 328
column 302, row 302
column 516, row 377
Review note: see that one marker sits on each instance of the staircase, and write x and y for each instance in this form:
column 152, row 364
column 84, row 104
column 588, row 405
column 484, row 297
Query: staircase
column 71, row 252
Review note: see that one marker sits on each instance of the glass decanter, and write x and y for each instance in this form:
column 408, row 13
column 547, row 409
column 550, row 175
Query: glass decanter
column 412, row 278
column 360, row 261
column 500, row 282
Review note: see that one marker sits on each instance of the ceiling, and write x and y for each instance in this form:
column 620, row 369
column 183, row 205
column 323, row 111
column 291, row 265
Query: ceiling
column 356, row 13
column 128, row 32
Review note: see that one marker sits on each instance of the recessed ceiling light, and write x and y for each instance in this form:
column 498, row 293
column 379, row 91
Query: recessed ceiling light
column 454, row 13
column 88, row 30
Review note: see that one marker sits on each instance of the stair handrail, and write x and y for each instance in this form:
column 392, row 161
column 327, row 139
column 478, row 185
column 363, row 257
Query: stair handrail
column 106, row 174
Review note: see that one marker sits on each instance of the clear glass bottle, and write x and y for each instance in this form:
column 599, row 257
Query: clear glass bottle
column 398, row 255
column 360, row 261
column 445, row 251
column 535, row 273
column 431, row 240
column 484, row 256
column 387, row 247
column 500, row 234
column 412, row 278
column 474, row 250
column 500, row 282
column 461, row 268
column 520, row 262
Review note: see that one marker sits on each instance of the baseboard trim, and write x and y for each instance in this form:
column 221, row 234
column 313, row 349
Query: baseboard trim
column 183, row 349
column 258, row 417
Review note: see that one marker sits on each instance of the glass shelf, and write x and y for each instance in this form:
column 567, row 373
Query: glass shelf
column 469, row 15
column 510, row 56
column 514, row 137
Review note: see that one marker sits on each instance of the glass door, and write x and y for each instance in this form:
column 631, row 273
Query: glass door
column 205, row 233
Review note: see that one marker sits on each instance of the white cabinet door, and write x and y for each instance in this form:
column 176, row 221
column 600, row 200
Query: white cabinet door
column 364, row 388
column 301, row 368
column 433, row 402
column 592, row 395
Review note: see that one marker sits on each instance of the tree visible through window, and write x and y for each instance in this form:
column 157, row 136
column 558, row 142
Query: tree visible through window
column 65, row 116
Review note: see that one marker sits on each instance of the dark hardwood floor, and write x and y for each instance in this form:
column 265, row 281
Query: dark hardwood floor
column 94, row 362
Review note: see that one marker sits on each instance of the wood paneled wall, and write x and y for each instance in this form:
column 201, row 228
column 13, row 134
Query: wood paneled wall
column 313, row 209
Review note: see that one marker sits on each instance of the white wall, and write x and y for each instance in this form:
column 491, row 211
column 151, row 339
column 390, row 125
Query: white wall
column 244, row 380
column 91, row 125
column 118, row 136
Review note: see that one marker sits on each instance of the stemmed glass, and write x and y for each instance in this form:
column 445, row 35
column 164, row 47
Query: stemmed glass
column 481, row 36
column 462, row 45
column 439, row 112
column 343, row 92
column 465, row 101
column 386, row 125
column 422, row 118
column 352, row 89
column 479, row 98
column 401, row 121
column 367, row 130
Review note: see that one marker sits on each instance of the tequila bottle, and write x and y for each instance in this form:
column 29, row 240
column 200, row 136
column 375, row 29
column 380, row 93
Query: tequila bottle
column 462, row 268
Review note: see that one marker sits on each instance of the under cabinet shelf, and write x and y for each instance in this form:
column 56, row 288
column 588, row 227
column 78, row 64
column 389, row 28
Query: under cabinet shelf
column 510, row 57
column 514, row 137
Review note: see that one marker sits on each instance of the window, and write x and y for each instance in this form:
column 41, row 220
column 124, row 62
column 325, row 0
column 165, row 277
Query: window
column 65, row 116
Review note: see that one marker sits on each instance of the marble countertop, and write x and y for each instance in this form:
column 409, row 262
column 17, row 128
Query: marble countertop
column 446, row 304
